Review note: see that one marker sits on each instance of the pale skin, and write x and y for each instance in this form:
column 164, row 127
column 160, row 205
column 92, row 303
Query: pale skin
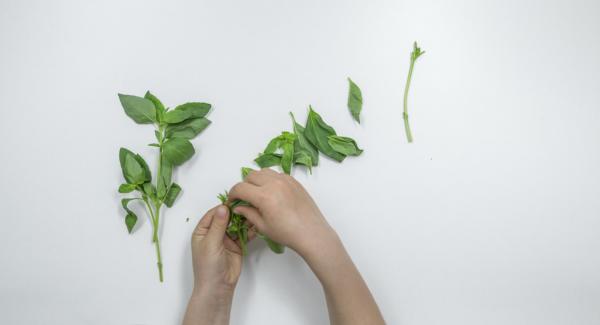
column 283, row 210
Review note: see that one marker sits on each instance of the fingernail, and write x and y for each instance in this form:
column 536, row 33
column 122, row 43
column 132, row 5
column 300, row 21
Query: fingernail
column 221, row 212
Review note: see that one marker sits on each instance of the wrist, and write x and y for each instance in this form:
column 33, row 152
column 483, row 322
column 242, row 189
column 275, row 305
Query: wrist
column 321, row 245
column 208, row 307
column 213, row 292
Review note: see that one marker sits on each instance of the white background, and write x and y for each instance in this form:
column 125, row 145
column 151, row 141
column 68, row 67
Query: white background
column 492, row 216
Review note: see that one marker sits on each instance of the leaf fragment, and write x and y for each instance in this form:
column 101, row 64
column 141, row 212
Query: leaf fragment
column 355, row 100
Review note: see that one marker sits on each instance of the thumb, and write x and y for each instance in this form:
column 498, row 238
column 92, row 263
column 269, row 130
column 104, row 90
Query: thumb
column 218, row 226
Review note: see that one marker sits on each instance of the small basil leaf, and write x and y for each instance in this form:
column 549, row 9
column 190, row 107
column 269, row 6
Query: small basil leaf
column 130, row 218
column 344, row 145
column 288, row 157
column 133, row 171
column 302, row 158
column 186, row 111
column 141, row 110
column 187, row 129
column 246, row 171
column 178, row 151
column 149, row 190
column 268, row 160
column 317, row 132
column 147, row 173
column 126, row 188
column 160, row 108
column 355, row 100
column 172, row 194
column 164, row 181
column 301, row 144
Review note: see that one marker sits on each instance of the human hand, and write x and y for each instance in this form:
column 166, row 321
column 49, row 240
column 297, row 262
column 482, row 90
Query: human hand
column 217, row 259
column 217, row 263
column 282, row 210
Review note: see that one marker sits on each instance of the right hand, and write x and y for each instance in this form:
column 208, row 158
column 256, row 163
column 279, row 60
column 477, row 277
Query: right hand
column 282, row 210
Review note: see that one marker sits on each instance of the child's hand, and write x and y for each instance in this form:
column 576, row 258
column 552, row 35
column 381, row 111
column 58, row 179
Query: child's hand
column 217, row 262
column 217, row 259
column 283, row 210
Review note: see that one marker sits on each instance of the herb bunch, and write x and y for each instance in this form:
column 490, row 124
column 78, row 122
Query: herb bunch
column 299, row 147
column 174, row 130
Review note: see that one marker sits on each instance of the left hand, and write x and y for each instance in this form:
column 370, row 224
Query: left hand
column 217, row 259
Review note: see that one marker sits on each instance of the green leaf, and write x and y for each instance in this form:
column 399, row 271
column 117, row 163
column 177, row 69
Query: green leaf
column 154, row 145
column 133, row 171
column 344, row 145
column 150, row 191
column 127, row 188
column 147, row 173
column 288, row 157
column 318, row 132
column 160, row 108
column 141, row 110
column 187, row 129
column 266, row 160
column 246, row 171
column 276, row 247
column 302, row 145
column 164, row 181
column 302, row 158
column 130, row 218
column 157, row 135
column 174, row 191
column 130, row 221
column 355, row 100
column 178, row 150
column 186, row 111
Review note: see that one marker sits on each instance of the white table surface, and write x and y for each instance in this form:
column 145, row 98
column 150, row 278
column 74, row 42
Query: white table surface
column 492, row 216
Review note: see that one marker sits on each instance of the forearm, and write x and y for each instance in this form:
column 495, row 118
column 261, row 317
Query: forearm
column 205, row 308
column 349, row 300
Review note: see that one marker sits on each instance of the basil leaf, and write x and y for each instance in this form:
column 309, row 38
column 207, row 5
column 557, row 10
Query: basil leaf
column 288, row 157
column 160, row 108
column 178, row 151
column 246, row 171
column 150, row 191
column 141, row 110
column 174, row 191
column 130, row 218
column 266, row 160
column 355, row 100
column 133, row 171
column 142, row 162
column 187, row 129
column 164, row 181
column 301, row 144
column 344, row 145
column 317, row 132
column 302, row 158
column 276, row 247
column 186, row 111
column 127, row 188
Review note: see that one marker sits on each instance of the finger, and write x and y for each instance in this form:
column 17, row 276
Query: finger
column 258, row 178
column 247, row 192
column 252, row 214
column 251, row 233
column 269, row 171
column 218, row 226
column 204, row 223
column 232, row 245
